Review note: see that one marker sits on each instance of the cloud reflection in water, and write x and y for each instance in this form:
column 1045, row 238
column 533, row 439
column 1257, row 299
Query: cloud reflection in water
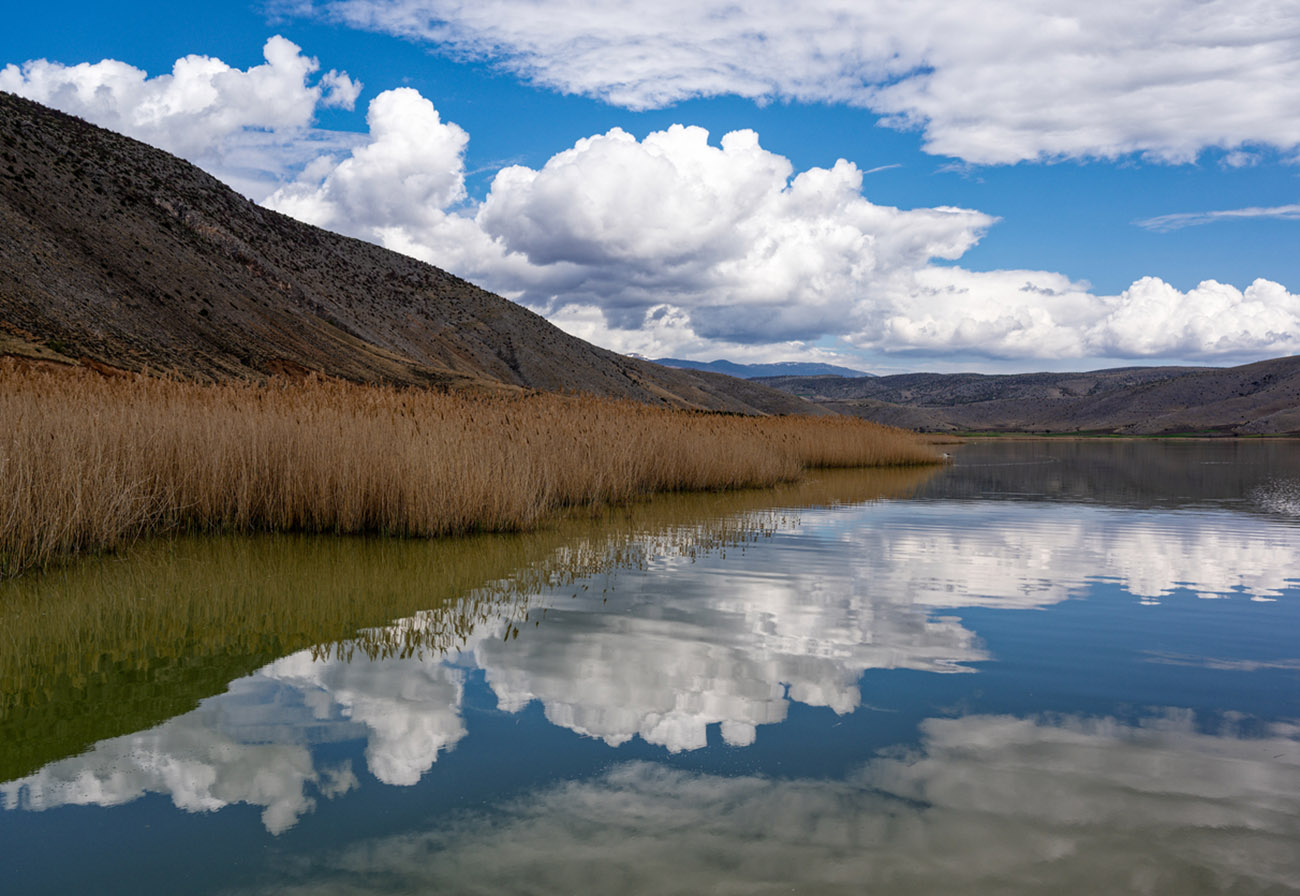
column 686, row 643
column 985, row 804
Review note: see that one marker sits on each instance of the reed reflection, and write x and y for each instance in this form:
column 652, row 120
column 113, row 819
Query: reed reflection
column 654, row 631
column 1253, row 476
column 115, row 646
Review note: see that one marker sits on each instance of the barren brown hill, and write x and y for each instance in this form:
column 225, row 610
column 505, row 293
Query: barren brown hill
column 1253, row 399
column 115, row 253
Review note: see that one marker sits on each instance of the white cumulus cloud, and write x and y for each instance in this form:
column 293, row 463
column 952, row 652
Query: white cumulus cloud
column 673, row 244
column 411, row 168
column 704, row 241
column 727, row 233
column 225, row 119
column 1042, row 315
column 1153, row 318
column 998, row 82
column 677, row 245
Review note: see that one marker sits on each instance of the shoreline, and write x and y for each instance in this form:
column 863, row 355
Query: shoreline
column 95, row 463
column 1135, row 437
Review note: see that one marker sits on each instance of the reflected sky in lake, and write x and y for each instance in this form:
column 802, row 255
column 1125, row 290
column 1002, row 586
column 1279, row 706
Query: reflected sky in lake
column 983, row 804
column 1007, row 679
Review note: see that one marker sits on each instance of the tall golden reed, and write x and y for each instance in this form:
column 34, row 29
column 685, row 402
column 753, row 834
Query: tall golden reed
column 88, row 462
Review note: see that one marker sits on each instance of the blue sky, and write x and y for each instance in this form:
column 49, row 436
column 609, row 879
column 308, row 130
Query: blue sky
column 1062, row 185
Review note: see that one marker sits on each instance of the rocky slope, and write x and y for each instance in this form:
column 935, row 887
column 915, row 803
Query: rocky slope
column 1260, row 398
column 116, row 254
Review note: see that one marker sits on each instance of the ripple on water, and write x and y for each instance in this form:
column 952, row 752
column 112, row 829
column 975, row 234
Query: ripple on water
column 1280, row 496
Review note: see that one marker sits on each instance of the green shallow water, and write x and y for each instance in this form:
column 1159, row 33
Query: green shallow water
column 1049, row 665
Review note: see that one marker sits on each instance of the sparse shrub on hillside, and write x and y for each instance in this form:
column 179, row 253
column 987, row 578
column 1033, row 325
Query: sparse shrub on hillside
column 89, row 462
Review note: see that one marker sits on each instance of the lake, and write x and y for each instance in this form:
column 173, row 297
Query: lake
column 1063, row 666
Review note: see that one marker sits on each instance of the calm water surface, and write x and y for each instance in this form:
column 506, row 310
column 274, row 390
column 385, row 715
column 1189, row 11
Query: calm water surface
column 1050, row 666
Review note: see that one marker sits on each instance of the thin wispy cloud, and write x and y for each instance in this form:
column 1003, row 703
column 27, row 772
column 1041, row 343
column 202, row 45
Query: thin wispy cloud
column 1179, row 220
column 1103, row 79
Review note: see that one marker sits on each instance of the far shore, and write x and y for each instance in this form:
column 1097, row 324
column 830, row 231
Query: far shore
column 1059, row 436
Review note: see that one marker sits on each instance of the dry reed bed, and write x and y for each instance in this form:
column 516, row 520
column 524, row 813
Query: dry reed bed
column 89, row 462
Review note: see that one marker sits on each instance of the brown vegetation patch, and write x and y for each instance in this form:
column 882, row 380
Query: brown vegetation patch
column 90, row 462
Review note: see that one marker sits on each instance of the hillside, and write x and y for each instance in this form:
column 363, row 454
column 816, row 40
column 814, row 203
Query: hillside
column 1259, row 398
column 118, row 255
column 753, row 371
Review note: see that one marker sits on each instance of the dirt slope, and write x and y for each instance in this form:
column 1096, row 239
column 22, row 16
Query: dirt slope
column 117, row 254
column 1260, row 398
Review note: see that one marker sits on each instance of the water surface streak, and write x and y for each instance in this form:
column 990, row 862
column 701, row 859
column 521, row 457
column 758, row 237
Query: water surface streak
column 1063, row 665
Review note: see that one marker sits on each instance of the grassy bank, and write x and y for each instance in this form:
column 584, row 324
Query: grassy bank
column 90, row 462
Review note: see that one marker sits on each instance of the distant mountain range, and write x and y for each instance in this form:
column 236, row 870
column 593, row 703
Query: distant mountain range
column 752, row 371
column 1253, row 399
column 116, row 254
